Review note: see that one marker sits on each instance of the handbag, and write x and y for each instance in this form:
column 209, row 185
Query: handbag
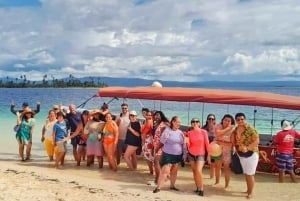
column 245, row 154
column 235, row 165
column 16, row 128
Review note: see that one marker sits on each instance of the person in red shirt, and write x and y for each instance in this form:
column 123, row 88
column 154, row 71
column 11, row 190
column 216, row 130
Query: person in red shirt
column 284, row 140
column 198, row 145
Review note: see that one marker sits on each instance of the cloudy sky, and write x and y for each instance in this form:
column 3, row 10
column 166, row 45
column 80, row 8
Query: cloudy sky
column 182, row 40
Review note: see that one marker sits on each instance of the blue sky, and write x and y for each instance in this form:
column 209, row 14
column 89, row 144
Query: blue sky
column 20, row 3
column 192, row 40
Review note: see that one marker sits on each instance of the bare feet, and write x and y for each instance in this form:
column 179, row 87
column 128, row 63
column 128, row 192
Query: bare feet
column 249, row 196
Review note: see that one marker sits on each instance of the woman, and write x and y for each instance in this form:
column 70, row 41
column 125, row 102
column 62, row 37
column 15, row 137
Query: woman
column 82, row 140
column 92, row 132
column 161, row 122
column 224, row 138
column 24, row 134
column 133, row 140
column 110, row 140
column 147, row 140
column 47, row 130
column 246, row 139
column 210, row 127
column 198, row 146
column 103, row 111
column 173, row 152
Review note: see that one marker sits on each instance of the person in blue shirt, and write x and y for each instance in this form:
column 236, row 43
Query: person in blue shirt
column 59, row 133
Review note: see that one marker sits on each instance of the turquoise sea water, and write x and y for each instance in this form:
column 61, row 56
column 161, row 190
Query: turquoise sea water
column 49, row 97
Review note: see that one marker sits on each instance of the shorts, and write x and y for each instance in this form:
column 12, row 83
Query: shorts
column 170, row 159
column 121, row 148
column 75, row 141
column 249, row 164
column 216, row 158
column 192, row 157
column 61, row 147
column 285, row 162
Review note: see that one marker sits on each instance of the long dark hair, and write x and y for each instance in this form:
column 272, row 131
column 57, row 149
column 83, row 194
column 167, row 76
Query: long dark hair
column 206, row 123
column 230, row 117
column 162, row 116
column 85, row 112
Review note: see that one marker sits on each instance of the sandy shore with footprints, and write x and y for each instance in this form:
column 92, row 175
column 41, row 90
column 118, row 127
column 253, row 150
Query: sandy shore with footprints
column 38, row 180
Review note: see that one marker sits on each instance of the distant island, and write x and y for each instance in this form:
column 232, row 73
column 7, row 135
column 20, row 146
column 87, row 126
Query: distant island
column 49, row 81
column 71, row 81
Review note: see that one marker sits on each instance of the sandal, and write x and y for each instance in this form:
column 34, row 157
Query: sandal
column 174, row 188
column 156, row 190
column 201, row 193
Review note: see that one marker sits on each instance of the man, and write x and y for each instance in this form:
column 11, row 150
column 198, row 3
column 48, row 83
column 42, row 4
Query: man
column 123, row 123
column 73, row 119
column 285, row 150
column 24, row 106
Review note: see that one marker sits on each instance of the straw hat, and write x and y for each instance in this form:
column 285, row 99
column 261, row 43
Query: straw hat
column 28, row 110
column 132, row 112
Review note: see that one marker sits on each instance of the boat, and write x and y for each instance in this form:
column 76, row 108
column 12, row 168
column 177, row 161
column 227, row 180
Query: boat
column 220, row 96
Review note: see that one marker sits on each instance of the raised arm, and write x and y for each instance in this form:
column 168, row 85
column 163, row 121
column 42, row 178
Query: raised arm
column 12, row 108
column 38, row 107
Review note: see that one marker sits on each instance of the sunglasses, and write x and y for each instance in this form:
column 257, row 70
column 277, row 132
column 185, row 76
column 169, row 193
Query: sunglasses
column 211, row 119
column 124, row 108
column 195, row 121
column 131, row 115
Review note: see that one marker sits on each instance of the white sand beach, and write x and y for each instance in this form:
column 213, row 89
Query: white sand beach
column 38, row 180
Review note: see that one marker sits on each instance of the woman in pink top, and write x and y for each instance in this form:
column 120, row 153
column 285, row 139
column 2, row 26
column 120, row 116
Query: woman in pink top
column 198, row 146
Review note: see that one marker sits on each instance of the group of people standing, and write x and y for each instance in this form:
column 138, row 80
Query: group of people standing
column 163, row 144
column 195, row 146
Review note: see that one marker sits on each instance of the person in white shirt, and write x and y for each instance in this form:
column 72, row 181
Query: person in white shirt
column 123, row 123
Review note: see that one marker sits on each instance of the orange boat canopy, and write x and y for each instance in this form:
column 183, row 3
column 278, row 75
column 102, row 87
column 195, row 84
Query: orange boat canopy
column 233, row 97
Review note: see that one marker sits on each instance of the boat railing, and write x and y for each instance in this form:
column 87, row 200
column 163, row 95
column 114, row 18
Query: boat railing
column 296, row 121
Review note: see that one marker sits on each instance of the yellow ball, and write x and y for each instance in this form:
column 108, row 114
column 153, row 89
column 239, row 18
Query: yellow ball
column 215, row 149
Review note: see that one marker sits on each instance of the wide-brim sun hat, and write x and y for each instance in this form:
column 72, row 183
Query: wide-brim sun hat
column 28, row 110
column 133, row 112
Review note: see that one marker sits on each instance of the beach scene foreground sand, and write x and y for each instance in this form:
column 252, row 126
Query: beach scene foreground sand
column 38, row 180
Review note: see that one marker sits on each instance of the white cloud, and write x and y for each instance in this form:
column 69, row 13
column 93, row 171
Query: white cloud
column 283, row 61
column 170, row 39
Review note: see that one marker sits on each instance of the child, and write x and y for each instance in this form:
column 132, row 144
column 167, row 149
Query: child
column 59, row 133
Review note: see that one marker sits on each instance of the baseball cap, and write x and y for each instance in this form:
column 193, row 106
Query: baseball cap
column 285, row 125
column 25, row 104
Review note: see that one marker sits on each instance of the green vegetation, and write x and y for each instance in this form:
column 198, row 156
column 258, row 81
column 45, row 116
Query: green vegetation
column 71, row 81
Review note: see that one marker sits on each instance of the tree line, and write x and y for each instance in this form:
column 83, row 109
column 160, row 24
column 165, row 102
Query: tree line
column 51, row 82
